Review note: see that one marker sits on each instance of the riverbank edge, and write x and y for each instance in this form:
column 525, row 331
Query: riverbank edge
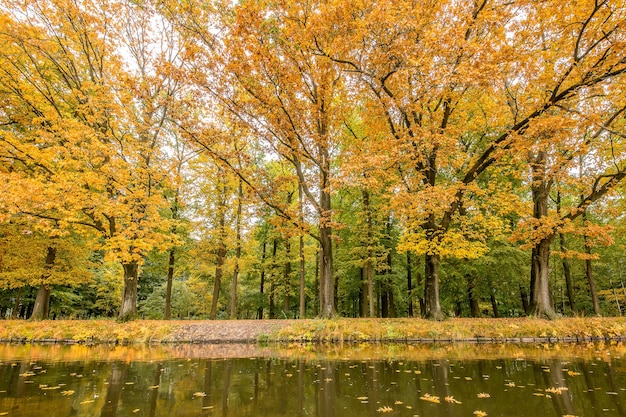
column 404, row 330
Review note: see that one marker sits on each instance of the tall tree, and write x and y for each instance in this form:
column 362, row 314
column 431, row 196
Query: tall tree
column 261, row 67
column 441, row 97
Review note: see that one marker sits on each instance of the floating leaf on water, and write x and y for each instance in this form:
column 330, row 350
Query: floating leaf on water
column 136, row 410
column 4, row 413
column 452, row 400
column 362, row 398
column 556, row 390
column 153, row 387
column 87, row 401
column 538, row 394
column 510, row 384
column 430, row 398
column 199, row 394
column 399, row 403
column 385, row 409
column 130, row 383
column 67, row 393
column 468, row 378
column 207, row 407
column 483, row 395
column 51, row 388
column 480, row 413
column 572, row 373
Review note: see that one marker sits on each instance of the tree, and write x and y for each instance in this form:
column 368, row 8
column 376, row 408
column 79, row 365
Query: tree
column 86, row 126
column 441, row 97
column 262, row 69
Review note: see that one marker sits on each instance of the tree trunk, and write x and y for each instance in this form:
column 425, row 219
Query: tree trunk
column 524, row 298
column 221, row 250
column 260, row 309
column 494, row 305
column 471, row 295
column 302, row 261
column 363, row 299
column 318, row 286
column 219, row 272
column 287, row 279
column 170, row 280
column 128, row 311
column 16, row 306
column 589, row 271
column 369, row 266
column 327, row 281
column 540, row 303
column 233, row 291
column 409, row 284
column 567, row 271
column 273, row 279
column 42, row 301
column 431, row 288
column 172, row 260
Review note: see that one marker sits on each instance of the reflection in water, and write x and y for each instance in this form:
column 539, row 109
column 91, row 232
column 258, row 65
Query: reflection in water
column 315, row 386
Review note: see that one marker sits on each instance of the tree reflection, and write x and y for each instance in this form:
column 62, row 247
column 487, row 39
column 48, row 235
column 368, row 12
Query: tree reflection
column 114, row 389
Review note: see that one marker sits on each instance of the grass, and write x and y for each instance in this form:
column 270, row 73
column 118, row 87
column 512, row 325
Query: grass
column 326, row 331
column 475, row 330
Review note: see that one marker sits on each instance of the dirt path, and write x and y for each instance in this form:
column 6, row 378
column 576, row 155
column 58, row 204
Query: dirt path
column 227, row 331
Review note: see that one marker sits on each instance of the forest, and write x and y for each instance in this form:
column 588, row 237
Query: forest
column 262, row 159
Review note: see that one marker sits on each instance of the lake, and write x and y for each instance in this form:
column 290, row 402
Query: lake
column 349, row 381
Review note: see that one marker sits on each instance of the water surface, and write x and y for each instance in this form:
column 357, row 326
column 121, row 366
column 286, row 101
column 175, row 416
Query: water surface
column 243, row 380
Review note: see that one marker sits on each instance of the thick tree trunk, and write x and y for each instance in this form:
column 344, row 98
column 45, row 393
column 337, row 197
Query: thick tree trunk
column 42, row 301
column 541, row 304
column 128, row 311
column 471, row 295
column 41, row 308
column 170, row 280
column 431, row 288
column 327, row 281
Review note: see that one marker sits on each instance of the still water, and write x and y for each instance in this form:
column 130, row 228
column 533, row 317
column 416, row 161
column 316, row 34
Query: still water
column 357, row 381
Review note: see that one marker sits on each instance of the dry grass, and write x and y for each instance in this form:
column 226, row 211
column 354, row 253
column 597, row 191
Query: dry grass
column 324, row 331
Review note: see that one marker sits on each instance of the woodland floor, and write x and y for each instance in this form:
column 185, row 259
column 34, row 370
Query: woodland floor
column 520, row 330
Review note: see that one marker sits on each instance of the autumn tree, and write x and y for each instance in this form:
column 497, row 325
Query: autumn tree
column 90, row 117
column 442, row 98
column 258, row 62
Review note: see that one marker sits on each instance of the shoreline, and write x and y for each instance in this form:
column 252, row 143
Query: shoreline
column 333, row 331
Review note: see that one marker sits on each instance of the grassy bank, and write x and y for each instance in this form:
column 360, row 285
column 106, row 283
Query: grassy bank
column 314, row 330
